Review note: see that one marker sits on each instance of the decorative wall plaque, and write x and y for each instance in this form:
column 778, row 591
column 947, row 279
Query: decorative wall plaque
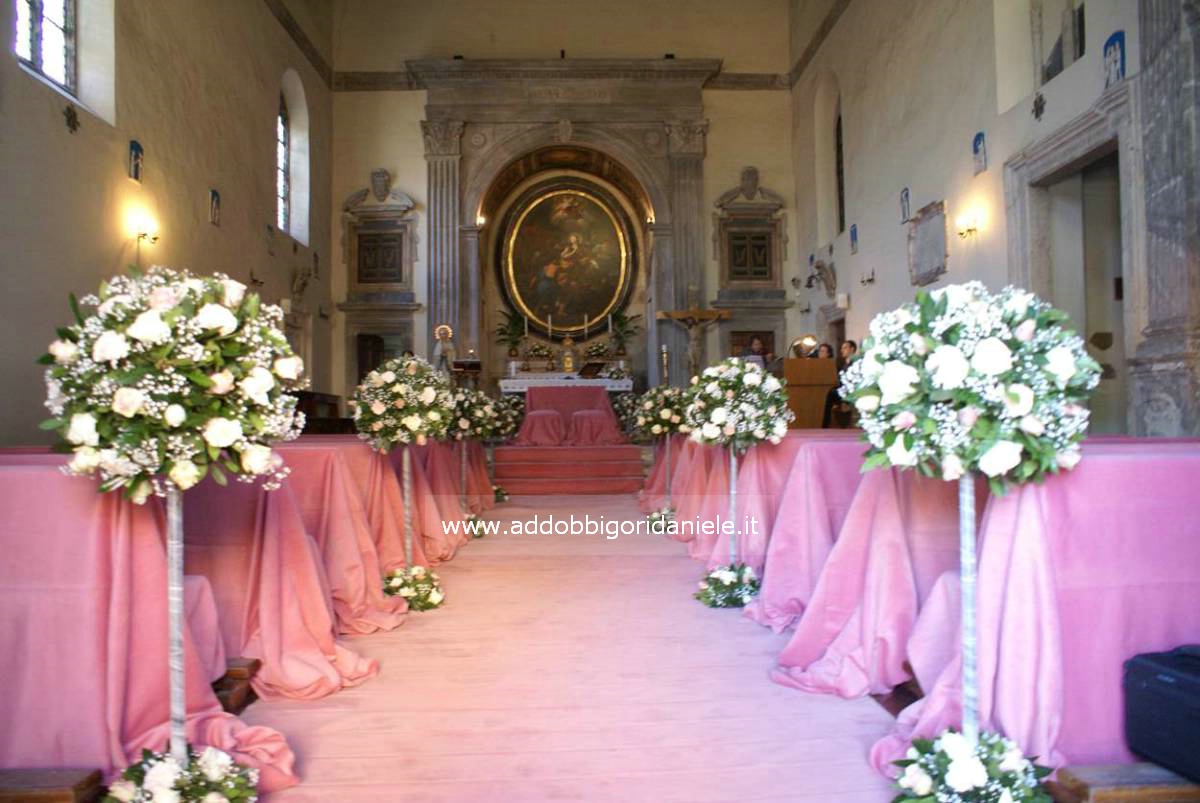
column 927, row 244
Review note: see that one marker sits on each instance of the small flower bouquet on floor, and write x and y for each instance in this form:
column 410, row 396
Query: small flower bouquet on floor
column 728, row 586
column 499, row 494
column 211, row 777
column 664, row 514
column 951, row 770
column 420, row 587
column 475, row 526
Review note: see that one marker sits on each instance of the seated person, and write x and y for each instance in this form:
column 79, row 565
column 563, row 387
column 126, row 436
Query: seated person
column 824, row 352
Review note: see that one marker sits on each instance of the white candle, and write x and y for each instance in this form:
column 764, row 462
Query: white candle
column 585, row 325
column 526, row 326
column 610, row 324
column 550, row 327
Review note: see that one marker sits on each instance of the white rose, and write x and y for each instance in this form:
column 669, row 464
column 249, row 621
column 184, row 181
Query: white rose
column 413, row 422
column 710, row 431
column 1017, row 303
column 110, row 347
column 1001, row 458
column 1033, row 425
column 85, row 460
column 917, row 342
column 257, row 459
column 162, row 298
column 867, row 404
column 232, row 292
column 215, row 316
column 82, row 430
column 952, row 467
column 149, row 327
column 900, row 455
column 214, row 797
column 665, row 415
column 435, row 596
column 408, row 592
column 375, row 380
column 719, row 416
column 771, row 384
column 965, row 774
column 289, row 367
column 1069, row 458
column 955, row 746
column 174, row 415
column 128, row 402
column 122, row 790
column 897, row 382
column 110, row 304
column 1013, row 760
column 991, row 357
column 872, row 362
column 1005, row 797
column 222, row 382
column 752, row 379
column 141, row 492
column 434, row 415
column 917, row 780
column 428, row 394
column 222, row 432
column 656, row 429
column 1018, row 399
column 257, row 384
column 184, row 474
column 956, row 295
column 948, row 367
column 387, row 377
column 64, row 352
column 377, row 407
column 1025, row 330
column 1060, row 362
column 161, row 776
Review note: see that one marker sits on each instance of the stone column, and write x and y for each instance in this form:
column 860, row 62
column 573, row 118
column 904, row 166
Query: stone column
column 443, row 139
column 658, row 333
column 680, row 281
column 471, row 310
column 1166, row 367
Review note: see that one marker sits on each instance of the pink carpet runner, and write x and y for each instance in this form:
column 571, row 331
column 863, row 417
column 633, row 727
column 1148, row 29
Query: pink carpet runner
column 574, row 668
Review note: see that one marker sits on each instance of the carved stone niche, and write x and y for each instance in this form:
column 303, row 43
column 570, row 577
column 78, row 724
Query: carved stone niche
column 379, row 239
column 750, row 244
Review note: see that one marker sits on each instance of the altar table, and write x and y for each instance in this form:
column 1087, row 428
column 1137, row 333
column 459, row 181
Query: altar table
column 567, row 401
column 1076, row 575
column 83, row 613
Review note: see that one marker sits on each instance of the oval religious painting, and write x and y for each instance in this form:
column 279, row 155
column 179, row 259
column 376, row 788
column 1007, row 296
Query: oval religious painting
column 566, row 259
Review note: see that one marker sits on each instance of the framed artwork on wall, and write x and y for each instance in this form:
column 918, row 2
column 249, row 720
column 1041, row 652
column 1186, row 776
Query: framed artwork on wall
column 927, row 244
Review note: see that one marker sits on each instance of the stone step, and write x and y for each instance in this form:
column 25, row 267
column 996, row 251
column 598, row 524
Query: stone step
column 1122, row 783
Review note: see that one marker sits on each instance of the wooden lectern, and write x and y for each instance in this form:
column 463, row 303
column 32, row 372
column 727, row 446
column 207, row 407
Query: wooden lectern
column 808, row 382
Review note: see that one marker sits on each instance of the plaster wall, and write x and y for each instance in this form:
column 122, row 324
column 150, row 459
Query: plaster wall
column 917, row 81
column 197, row 84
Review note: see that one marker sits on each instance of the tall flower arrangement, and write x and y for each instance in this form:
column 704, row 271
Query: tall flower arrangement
column 168, row 378
column 510, row 410
column 661, row 412
column 625, row 407
column 475, row 418
column 401, row 403
column 963, row 381
column 735, row 404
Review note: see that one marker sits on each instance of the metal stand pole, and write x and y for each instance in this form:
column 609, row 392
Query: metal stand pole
column 968, row 574
column 406, row 484
column 175, row 625
column 668, row 467
column 462, row 475
column 733, row 470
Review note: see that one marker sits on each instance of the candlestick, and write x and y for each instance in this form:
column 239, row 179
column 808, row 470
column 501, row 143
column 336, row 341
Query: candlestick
column 610, row 324
column 526, row 325
column 550, row 327
column 585, row 325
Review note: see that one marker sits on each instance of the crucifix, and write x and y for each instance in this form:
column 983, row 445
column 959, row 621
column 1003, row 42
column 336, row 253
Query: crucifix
column 695, row 321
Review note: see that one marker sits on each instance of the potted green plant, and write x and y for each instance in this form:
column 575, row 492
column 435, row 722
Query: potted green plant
column 511, row 332
column 624, row 328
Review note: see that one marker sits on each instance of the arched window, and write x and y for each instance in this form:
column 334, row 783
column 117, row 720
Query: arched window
column 829, row 169
column 292, row 168
column 283, row 168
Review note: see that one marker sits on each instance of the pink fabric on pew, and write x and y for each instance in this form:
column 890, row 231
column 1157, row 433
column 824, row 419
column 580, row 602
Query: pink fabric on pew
column 593, row 428
column 83, row 614
column 654, row 495
column 480, row 496
column 1076, row 576
column 440, row 462
column 437, row 544
column 566, row 401
column 541, row 428
column 335, row 515
column 203, row 622
column 690, row 482
column 814, row 500
column 384, row 498
column 267, row 577
column 900, row 534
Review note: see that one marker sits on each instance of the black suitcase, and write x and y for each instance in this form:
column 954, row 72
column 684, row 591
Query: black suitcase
column 1162, row 708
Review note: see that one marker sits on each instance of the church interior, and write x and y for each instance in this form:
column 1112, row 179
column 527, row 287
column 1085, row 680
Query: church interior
column 422, row 375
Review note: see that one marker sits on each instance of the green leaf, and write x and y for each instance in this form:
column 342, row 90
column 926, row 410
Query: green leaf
column 75, row 308
column 45, row 359
column 199, row 378
column 218, row 475
column 51, row 423
column 251, row 305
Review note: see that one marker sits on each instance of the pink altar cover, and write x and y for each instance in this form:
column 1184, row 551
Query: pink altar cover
column 566, row 401
column 336, row 517
column 814, row 499
column 84, row 616
column 1075, row 576
column 267, row 578
column 899, row 535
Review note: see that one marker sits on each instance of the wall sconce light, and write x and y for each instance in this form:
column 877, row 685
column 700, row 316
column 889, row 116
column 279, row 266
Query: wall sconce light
column 807, row 308
column 480, row 220
column 650, row 220
column 967, row 224
column 867, row 278
column 254, row 280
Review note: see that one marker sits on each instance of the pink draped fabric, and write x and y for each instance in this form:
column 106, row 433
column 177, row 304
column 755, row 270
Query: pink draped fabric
column 266, row 574
column 480, row 496
column 440, row 462
column 203, row 622
column 814, row 500
column 592, row 428
column 899, row 536
column 1076, row 576
column 83, row 614
column 566, row 401
column 335, row 516
column 654, row 495
column 437, row 544
column 541, row 428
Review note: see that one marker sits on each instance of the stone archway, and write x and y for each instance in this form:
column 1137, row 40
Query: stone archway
column 644, row 116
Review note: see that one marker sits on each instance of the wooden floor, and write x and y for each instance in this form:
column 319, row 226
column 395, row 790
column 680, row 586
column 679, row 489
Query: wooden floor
column 573, row 668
